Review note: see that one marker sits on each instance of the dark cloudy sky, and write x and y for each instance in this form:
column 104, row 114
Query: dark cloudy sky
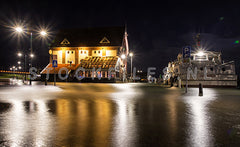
column 157, row 30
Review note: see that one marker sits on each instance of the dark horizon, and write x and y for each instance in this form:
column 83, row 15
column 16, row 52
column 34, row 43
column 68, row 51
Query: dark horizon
column 156, row 33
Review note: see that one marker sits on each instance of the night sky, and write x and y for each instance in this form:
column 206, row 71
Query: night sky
column 157, row 30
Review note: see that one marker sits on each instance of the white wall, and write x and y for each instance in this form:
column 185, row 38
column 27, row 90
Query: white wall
column 82, row 54
column 70, row 56
column 59, row 56
column 96, row 52
column 111, row 52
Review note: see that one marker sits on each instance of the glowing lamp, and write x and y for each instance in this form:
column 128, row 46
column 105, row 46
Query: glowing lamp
column 31, row 55
column 50, row 52
column 200, row 53
column 123, row 56
column 19, row 29
column 19, row 54
column 43, row 33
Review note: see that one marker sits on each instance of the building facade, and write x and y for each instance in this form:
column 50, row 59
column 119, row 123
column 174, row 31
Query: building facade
column 89, row 48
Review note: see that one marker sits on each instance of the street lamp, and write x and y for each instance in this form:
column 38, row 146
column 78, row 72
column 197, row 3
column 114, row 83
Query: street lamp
column 31, row 55
column 123, row 56
column 51, row 59
column 24, row 65
column 43, row 33
column 13, row 69
column 131, row 55
column 200, row 53
column 20, row 30
column 19, row 54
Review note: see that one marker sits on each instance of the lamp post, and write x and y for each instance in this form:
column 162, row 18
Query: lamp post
column 20, row 30
column 131, row 55
column 14, row 69
column 51, row 56
column 123, row 56
column 25, row 64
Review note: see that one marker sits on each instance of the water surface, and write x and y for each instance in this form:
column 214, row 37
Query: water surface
column 121, row 115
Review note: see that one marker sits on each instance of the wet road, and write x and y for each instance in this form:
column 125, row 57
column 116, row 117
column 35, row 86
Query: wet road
column 119, row 115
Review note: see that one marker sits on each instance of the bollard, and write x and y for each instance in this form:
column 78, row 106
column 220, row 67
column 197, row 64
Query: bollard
column 200, row 89
column 46, row 82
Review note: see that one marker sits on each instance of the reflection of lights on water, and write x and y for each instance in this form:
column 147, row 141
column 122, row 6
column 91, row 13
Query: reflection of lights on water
column 41, row 105
column 16, row 123
column 171, row 102
column 21, row 125
column 44, row 124
column 126, row 89
column 125, row 131
column 199, row 131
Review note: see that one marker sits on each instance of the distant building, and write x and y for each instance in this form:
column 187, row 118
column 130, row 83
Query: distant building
column 211, row 70
column 90, row 48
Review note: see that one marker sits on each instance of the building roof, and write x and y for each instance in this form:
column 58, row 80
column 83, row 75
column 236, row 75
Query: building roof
column 84, row 37
column 103, row 62
column 87, row 63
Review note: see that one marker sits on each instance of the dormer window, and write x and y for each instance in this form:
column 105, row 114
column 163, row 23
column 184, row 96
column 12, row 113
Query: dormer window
column 104, row 40
column 65, row 41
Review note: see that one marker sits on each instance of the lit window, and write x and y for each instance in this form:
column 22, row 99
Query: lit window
column 81, row 52
column 85, row 52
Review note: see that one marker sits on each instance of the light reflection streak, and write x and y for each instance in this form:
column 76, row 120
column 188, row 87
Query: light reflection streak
column 33, row 128
column 64, row 113
column 102, row 121
column 173, row 113
column 44, row 125
column 125, row 131
column 83, row 119
column 25, row 125
column 200, row 127
column 15, row 123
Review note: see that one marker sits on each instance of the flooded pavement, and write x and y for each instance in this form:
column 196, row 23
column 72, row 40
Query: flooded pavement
column 118, row 115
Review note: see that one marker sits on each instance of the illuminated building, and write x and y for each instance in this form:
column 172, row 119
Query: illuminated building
column 205, row 67
column 89, row 48
column 211, row 70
